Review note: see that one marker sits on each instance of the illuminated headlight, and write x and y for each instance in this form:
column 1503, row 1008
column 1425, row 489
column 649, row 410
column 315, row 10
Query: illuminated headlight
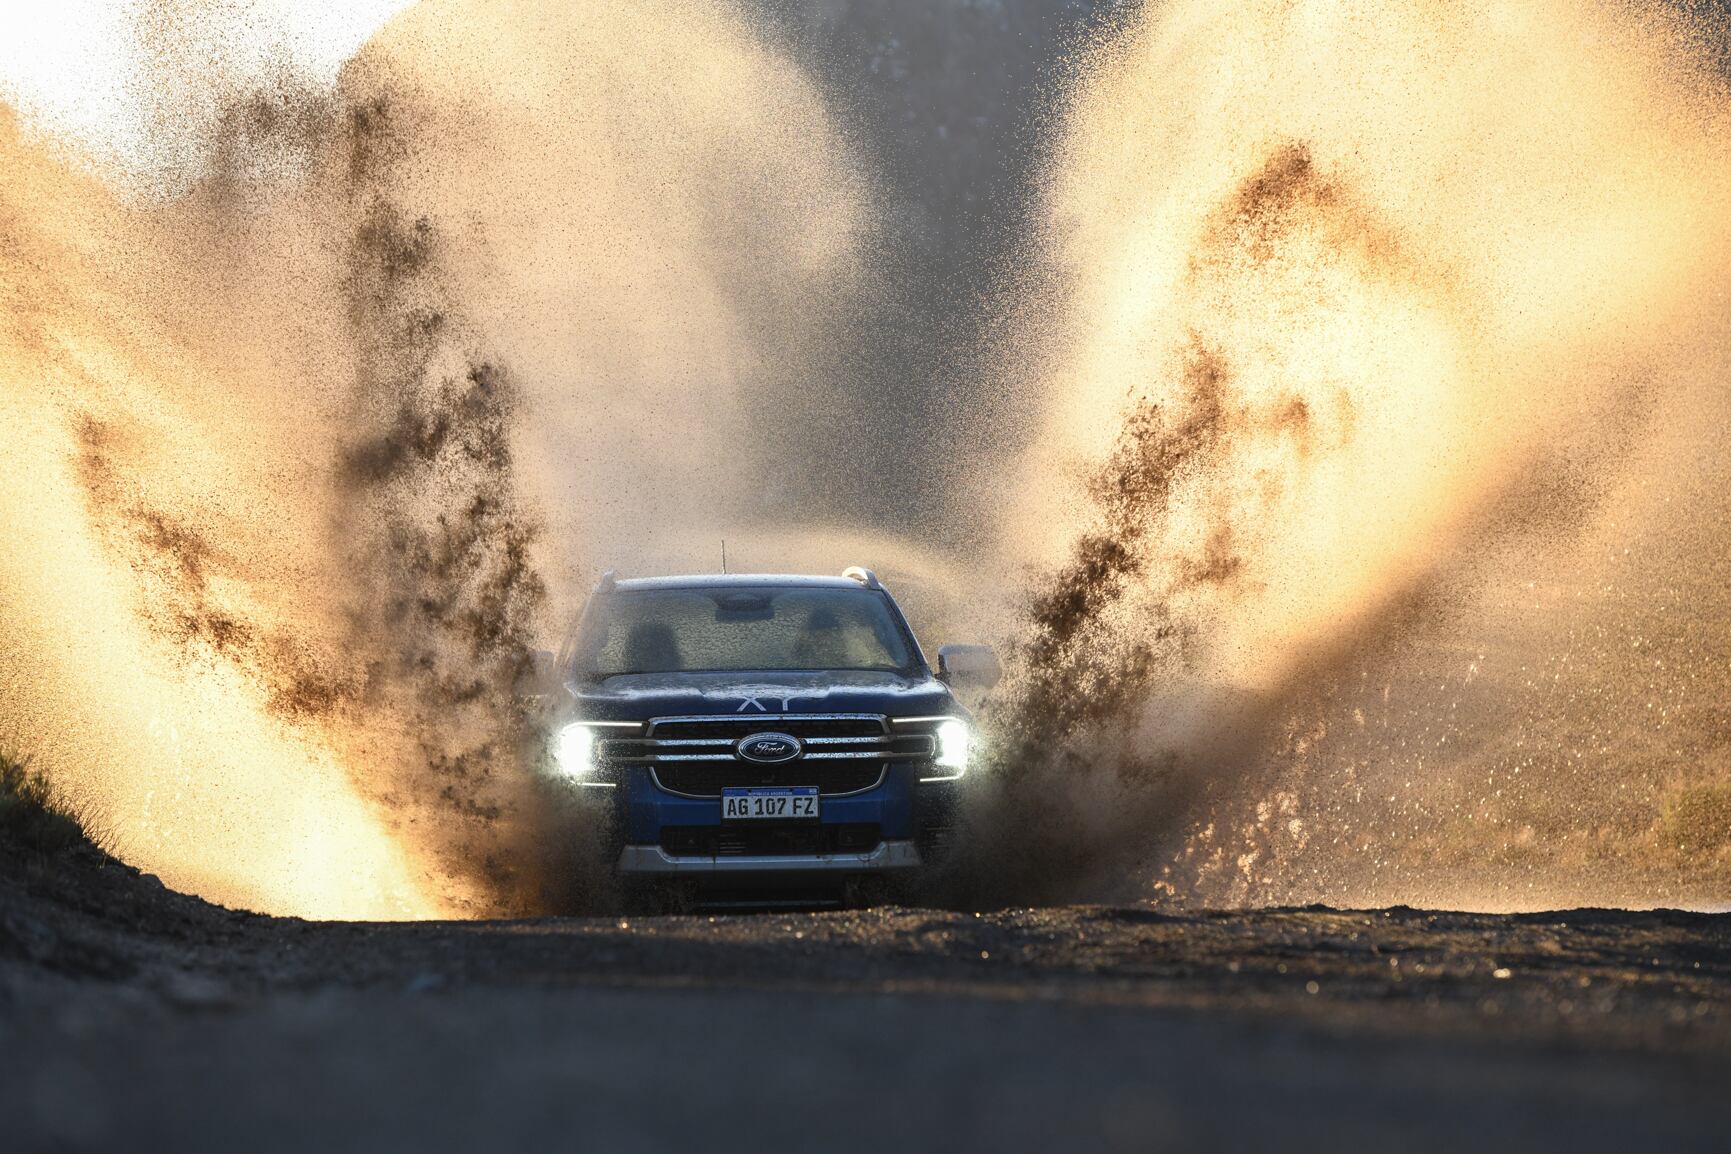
column 574, row 752
column 955, row 747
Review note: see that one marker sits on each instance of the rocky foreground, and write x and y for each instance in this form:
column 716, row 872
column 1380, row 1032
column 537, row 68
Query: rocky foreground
column 134, row 1017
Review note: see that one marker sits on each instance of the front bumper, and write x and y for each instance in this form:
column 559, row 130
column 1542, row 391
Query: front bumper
column 652, row 860
column 894, row 828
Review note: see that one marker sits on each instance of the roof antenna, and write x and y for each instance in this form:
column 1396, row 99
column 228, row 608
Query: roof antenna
column 724, row 556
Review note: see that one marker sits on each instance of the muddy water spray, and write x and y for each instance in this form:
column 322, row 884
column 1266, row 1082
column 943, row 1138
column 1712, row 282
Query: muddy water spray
column 299, row 457
column 1349, row 298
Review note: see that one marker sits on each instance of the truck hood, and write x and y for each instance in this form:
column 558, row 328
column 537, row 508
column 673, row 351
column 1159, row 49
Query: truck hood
column 640, row 696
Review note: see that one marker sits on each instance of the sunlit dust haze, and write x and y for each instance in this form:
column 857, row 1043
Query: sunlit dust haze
column 1375, row 361
column 1337, row 468
column 319, row 417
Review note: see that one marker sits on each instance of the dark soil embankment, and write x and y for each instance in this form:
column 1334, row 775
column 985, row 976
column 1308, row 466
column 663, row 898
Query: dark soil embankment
column 135, row 1017
column 1664, row 977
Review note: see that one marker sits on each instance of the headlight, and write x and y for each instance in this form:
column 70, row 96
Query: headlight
column 955, row 747
column 574, row 752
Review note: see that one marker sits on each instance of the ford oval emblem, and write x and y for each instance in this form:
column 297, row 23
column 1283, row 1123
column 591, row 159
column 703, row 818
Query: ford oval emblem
column 768, row 748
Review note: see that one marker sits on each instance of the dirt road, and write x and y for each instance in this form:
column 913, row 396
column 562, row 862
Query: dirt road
column 134, row 1018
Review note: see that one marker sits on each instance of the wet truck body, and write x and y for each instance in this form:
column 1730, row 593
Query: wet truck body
column 762, row 735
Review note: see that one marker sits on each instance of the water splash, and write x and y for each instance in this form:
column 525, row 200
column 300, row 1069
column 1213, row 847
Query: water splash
column 309, row 447
column 1349, row 310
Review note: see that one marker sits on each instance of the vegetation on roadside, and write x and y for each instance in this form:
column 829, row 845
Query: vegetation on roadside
column 1695, row 819
column 30, row 814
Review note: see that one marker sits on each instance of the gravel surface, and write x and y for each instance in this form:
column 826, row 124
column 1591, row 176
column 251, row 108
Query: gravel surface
column 135, row 1018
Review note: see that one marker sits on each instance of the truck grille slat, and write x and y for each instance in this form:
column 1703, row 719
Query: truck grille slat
column 845, row 753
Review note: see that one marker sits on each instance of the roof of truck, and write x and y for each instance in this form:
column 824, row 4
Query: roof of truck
column 735, row 580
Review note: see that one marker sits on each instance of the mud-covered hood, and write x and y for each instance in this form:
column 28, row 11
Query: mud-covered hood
column 639, row 696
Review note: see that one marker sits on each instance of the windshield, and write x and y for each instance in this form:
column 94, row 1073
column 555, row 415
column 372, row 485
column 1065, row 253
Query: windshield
column 742, row 627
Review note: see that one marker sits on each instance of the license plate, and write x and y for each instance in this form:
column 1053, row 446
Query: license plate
column 770, row 803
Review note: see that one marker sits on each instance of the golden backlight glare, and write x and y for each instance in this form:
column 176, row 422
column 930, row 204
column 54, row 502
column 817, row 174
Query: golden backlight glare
column 1371, row 492
column 653, row 233
column 1331, row 306
column 177, row 766
column 1415, row 241
column 305, row 442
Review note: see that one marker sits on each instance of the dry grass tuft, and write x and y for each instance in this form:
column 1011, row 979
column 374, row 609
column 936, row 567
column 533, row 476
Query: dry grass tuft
column 1696, row 819
column 31, row 815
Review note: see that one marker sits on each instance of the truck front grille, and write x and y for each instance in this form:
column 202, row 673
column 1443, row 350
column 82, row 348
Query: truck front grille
column 695, row 756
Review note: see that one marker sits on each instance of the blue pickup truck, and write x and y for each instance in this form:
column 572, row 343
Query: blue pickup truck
column 761, row 737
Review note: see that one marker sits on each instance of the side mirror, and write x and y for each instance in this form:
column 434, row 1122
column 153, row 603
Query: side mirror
column 971, row 667
column 542, row 676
